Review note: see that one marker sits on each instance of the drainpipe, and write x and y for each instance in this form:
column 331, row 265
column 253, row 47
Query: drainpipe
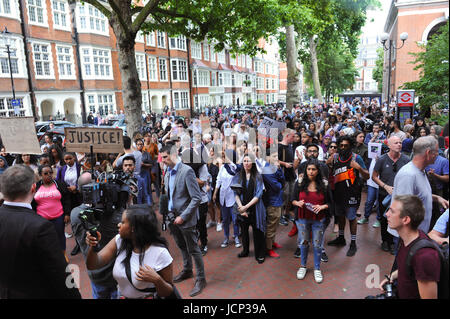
column 73, row 5
column 27, row 59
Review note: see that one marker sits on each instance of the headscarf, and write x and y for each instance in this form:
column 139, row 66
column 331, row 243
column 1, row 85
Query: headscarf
column 2, row 169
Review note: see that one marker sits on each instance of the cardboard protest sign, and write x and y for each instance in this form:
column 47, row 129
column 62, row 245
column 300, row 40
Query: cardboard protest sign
column 103, row 140
column 19, row 135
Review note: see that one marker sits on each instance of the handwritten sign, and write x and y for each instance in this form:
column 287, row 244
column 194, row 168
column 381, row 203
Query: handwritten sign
column 103, row 140
column 19, row 135
column 267, row 124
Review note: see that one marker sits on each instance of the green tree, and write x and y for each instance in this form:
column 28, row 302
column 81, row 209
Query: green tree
column 433, row 85
column 377, row 74
column 239, row 24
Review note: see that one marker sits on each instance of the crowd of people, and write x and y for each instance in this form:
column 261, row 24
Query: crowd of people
column 221, row 169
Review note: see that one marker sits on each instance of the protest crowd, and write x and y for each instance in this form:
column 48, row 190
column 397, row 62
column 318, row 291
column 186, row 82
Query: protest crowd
column 227, row 169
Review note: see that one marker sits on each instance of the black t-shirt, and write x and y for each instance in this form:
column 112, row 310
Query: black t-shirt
column 286, row 154
column 387, row 170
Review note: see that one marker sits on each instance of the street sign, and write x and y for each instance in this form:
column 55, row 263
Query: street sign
column 16, row 106
column 405, row 98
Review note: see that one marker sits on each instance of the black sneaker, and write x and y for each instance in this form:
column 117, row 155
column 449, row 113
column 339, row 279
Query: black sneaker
column 385, row 246
column 324, row 257
column 352, row 250
column 204, row 250
column 283, row 221
column 339, row 241
column 297, row 253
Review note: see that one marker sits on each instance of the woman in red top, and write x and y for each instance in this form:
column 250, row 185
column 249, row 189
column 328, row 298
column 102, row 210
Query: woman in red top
column 311, row 198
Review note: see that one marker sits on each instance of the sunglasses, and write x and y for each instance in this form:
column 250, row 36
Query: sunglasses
column 333, row 146
column 47, row 173
column 394, row 167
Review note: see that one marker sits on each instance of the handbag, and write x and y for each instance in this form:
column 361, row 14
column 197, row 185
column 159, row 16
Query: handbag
column 174, row 295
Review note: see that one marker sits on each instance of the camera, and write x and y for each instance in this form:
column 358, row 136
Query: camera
column 390, row 291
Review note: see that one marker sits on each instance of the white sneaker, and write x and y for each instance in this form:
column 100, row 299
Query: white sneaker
column 224, row 244
column 219, row 227
column 318, row 277
column 301, row 273
column 237, row 242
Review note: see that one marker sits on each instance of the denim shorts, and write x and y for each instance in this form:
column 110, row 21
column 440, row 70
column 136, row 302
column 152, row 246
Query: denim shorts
column 349, row 211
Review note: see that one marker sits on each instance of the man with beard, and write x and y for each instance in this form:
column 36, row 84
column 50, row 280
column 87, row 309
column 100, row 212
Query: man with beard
column 346, row 167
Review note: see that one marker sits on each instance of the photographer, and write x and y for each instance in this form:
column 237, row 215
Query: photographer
column 405, row 215
column 102, row 282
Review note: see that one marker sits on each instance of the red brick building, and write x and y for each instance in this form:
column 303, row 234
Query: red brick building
column 65, row 59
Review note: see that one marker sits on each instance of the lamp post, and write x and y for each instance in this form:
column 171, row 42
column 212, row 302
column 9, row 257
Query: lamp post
column 385, row 38
column 6, row 39
column 197, row 106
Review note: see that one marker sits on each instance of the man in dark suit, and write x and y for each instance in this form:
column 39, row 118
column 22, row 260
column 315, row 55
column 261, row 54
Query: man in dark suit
column 31, row 262
column 184, row 200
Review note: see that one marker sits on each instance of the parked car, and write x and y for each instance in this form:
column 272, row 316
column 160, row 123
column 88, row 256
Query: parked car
column 43, row 127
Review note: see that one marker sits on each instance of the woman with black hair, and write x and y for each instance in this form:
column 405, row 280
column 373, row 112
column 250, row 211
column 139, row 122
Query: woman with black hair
column 56, row 157
column 419, row 123
column 52, row 202
column 250, row 207
column 28, row 160
column 143, row 265
column 311, row 196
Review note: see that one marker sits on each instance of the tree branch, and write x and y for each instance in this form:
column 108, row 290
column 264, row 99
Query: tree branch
column 100, row 7
column 143, row 14
column 118, row 14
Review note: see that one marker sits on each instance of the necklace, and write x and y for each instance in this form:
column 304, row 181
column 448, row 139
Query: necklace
column 339, row 158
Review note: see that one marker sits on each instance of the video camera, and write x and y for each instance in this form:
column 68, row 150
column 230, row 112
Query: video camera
column 105, row 195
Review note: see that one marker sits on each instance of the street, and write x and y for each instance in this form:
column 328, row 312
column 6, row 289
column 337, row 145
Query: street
column 230, row 277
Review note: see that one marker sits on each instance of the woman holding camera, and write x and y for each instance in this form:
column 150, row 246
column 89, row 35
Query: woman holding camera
column 311, row 196
column 142, row 262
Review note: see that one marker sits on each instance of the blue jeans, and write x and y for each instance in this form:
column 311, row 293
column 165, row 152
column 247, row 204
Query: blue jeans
column 372, row 196
column 227, row 217
column 102, row 292
column 305, row 226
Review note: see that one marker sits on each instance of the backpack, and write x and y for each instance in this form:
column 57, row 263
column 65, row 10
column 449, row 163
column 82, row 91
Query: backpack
column 442, row 250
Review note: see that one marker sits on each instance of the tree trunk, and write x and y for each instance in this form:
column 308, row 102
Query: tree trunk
column 293, row 86
column 315, row 69
column 131, row 85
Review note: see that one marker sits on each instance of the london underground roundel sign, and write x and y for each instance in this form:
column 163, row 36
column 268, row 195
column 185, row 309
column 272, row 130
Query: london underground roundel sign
column 405, row 98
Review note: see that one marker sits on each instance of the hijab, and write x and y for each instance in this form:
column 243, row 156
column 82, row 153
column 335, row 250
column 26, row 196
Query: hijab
column 2, row 169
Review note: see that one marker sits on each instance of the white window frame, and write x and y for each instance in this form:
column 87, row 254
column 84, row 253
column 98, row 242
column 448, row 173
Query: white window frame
column 152, row 68
column 58, row 12
column 176, row 70
column 150, row 39
column 196, row 50
column 161, row 70
column 17, row 58
column 50, row 60
column 32, row 4
column 140, row 66
column 161, row 36
column 181, row 99
column 140, row 37
column 178, row 43
column 91, row 63
column 221, row 57
column 213, row 54
column 206, row 51
column 6, row 108
column 86, row 12
column 12, row 9
column 202, row 76
column 66, row 62
column 93, row 102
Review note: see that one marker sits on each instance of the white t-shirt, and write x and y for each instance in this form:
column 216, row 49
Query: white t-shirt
column 155, row 257
column 370, row 181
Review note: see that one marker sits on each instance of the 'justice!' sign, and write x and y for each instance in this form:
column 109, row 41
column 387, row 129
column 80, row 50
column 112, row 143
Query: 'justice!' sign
column 104, row 140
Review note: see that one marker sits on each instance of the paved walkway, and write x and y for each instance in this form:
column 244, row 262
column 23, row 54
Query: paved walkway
column 230, row 277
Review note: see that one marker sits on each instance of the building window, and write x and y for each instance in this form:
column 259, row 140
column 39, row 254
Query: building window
column 14, row 54
column 196, row 50
column 140, row 66
column 60, row 14
column 259, row 83
column 152, row 69
column 162, row 69
column 139, row 37
column 161, row 37
column 7, row 109
column 179, row 70
column 178, row 43
column 145, row 103
column 96, row 63
column 42, row 55
column 5, row 7
column 65, row 62
column 91, row 20
column 213, row 54
column 103, row 103
column 206, row 51
column 181, row 100
column 150, row 39
column 201, row 78
column 37, row 12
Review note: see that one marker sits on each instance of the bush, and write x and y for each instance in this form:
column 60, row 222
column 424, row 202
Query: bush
column 260, row 102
